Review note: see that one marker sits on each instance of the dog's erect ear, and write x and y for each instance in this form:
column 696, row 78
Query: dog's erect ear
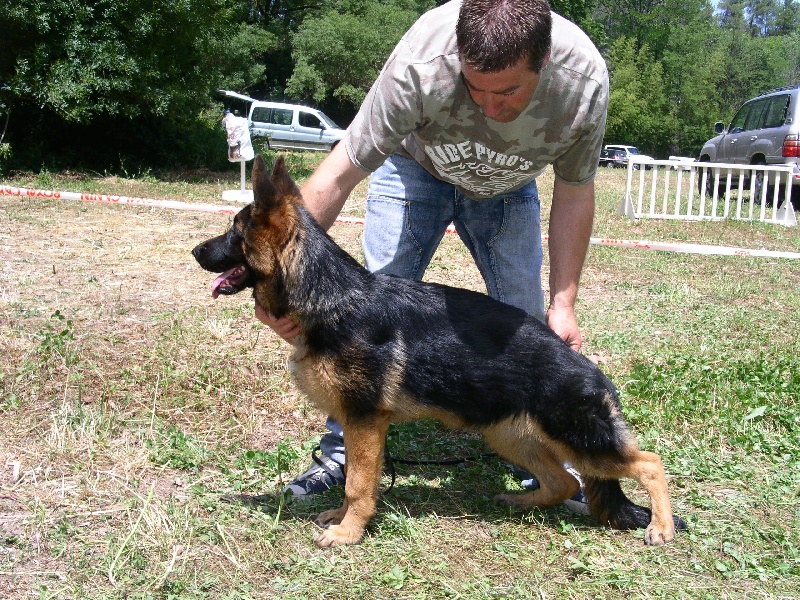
column 271, row 192
column 265, row 195
column 282, row 180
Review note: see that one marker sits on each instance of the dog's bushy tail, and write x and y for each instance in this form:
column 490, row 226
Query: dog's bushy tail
column 611, row 507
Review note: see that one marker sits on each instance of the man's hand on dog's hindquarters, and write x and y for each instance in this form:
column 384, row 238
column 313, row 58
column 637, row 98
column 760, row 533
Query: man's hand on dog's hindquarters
column 285, row 327
column 562, row 320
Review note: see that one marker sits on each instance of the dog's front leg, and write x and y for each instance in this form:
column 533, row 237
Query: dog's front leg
column 364, row 442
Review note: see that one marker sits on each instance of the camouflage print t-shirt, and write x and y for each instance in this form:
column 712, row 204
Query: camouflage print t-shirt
column 420, row 107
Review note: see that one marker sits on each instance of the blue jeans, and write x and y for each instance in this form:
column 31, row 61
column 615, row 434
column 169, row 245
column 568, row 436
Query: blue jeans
column 408, row 211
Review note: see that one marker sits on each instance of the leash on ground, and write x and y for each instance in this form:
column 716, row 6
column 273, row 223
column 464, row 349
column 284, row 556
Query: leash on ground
column 392, row 460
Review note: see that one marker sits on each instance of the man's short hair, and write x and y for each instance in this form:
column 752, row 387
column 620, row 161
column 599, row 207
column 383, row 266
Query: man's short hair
column 493, row 35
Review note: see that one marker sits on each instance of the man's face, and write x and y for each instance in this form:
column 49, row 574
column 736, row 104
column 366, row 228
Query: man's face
column 503, row 95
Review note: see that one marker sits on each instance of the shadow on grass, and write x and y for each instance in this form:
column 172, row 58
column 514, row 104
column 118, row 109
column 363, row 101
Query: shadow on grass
column 463, row 491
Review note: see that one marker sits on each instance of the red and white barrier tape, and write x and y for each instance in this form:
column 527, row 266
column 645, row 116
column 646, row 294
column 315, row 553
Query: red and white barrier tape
column 694, row 248
column 232, row 210
column 648, row 245
column 132, row 200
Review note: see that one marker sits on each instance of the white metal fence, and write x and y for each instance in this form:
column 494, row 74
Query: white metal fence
column 684, row 189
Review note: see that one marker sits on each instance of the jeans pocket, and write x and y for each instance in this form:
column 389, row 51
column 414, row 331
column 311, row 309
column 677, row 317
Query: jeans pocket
column 389, row 245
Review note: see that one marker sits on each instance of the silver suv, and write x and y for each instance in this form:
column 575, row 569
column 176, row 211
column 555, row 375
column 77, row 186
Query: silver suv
column 764, row 131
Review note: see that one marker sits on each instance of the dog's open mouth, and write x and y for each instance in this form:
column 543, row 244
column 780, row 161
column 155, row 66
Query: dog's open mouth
column 230, row 282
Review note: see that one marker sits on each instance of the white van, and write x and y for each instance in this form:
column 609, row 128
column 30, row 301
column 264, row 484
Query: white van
column 290, row 126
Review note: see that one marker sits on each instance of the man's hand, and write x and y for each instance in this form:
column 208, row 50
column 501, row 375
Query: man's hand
column 565, row 324
column 285, row 327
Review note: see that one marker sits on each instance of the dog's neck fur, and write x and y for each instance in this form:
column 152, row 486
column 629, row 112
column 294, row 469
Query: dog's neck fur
column 318, row 283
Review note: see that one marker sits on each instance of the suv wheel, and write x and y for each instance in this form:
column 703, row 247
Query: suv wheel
column 759, row 185
column 709, row 179
column 758, row 188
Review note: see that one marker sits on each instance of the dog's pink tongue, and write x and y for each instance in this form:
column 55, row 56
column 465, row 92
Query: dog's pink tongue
column 225, row 280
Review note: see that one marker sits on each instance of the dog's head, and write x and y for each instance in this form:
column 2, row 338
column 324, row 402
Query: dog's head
column 250, row 251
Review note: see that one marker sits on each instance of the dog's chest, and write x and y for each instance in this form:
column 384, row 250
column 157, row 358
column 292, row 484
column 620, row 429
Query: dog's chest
column 318, row 379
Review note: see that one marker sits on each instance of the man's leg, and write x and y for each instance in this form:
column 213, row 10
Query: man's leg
column 504, row 236
column 408, row 211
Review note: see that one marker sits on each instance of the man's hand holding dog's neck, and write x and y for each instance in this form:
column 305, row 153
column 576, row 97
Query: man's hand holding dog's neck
column 285, row 327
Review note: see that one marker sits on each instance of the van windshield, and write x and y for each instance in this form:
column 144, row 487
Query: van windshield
column 328, row 121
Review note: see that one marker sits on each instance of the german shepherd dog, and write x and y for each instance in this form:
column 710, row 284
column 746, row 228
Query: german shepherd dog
column 376, row 349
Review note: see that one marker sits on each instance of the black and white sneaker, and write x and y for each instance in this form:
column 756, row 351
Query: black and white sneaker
column 323, row 474
column 579, row 503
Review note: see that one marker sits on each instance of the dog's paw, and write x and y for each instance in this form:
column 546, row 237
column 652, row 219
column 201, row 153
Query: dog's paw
column 330, row 517
column 336, row 535
column 658, row 536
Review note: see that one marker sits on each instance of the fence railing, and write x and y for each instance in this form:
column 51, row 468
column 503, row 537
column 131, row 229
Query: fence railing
column 685, row 189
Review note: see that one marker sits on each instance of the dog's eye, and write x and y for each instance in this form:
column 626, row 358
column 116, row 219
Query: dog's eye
column 234, row 237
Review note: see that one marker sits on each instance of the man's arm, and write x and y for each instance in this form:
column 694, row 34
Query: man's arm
column 571, row 218
column 326, row 191
column 324, row 195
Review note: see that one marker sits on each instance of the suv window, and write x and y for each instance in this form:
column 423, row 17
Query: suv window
column 753, row 120
column 308, row 120
column 737, row 123
column 769, row 112
column 775, row 114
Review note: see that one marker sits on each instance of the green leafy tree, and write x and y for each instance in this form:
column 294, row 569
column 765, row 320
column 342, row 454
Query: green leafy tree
column 280, row 20
column 650, row 22
column 339, row 53
column 761, row 16
column 580, row 12
column 787, row 20
column 123, row 58
column 637, row 104
column 731, row 15
column 742, row 67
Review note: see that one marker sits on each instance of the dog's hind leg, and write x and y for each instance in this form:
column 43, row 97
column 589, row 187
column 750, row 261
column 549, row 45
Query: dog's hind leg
column 648, row 470
column 364, row 443
column 611, row 507
column 515, row 442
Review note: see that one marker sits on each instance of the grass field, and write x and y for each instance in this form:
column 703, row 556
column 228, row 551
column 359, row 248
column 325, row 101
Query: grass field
column 134, row 408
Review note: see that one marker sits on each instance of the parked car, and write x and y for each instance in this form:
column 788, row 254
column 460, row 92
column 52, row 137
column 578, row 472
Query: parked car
column 764, row 131
column 685, row 162
column 290, row 126
column 613, row 158
column 629, row 151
